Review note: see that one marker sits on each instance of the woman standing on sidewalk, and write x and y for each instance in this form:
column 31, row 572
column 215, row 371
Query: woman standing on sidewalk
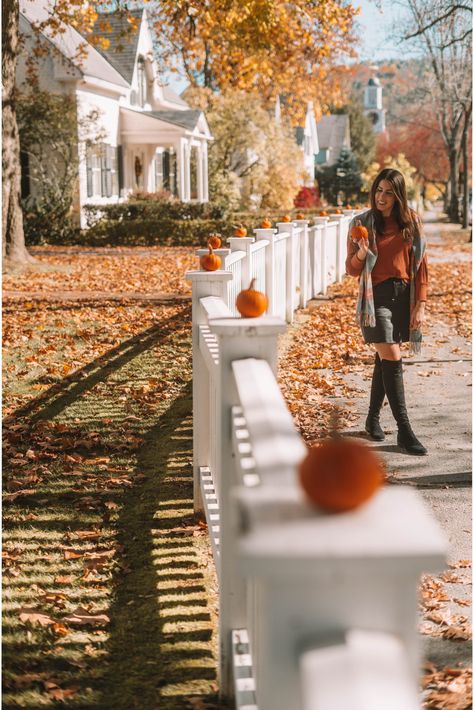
column 393, row 278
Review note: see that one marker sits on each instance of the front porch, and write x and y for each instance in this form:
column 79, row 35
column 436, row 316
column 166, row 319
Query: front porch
column 165, row 150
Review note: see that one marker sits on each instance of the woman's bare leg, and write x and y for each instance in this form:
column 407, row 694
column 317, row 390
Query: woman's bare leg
column 388, row 351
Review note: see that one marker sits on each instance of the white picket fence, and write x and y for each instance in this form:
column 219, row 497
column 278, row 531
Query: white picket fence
column 316, row 612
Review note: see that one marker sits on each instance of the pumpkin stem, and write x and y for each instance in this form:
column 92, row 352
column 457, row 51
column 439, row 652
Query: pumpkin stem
column 211, row 250
column 252, row 284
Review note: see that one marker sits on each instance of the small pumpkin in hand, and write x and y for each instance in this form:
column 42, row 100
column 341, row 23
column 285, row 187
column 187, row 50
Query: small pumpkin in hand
column 323, row 213
column 265, row 223
column 300, row 215
column 340, row 474
column 211, row 261
column 240, row 231
column 359, row 232
column 285, row 218
column 251, row 303
column 214, row 240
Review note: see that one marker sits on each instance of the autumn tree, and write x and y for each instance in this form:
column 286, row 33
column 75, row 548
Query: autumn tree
column 58, row 15
column 443, row 30
column 259, row 46
column 253, row 160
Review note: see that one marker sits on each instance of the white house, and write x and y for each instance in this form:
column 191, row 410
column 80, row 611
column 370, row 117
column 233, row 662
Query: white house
column 150, row 139
column 334, row 134
column 373, row 106
column 307, row 138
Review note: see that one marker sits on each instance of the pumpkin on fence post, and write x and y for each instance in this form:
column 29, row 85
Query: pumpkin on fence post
column 285, row 218
column 214, row 240
column 211, row 261
column 240, row 231
column 251, row 303
column 340, row 474
column 265, row 223
column 300, row 215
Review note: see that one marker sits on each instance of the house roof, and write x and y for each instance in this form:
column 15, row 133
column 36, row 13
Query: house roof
column 68, row 41
column 170, row 95
column 332, row 130
column 122, row 50
column 186, row 119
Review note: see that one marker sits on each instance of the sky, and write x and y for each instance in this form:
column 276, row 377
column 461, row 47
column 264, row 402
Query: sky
column 375, row 30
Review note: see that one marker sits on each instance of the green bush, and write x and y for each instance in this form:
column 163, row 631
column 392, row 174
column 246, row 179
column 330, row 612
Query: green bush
column 148, row 222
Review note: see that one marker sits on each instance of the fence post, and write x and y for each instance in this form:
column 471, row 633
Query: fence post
column 290, row 275
column 269, row 234
column 340, row 245
column 204, row 283
column 324, row 273
column 305, row 274
column 239, row 338
column 243, row 244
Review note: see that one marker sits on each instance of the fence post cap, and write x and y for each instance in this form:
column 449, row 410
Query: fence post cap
column 201, row 275
column 264, row 232
column 248, row 327
column 240, row 240
column 321, row 220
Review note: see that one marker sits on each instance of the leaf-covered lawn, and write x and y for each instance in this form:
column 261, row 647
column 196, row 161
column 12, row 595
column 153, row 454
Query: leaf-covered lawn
column 150, row 270
column 109, row 586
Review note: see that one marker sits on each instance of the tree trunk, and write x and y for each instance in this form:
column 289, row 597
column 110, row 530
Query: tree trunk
column 453, row 206
column 13, row 241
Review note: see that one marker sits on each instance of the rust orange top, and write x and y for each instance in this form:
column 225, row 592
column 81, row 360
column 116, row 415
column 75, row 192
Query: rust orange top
column 393, row 260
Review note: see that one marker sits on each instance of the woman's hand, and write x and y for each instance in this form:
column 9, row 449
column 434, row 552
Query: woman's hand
column 418, row 315
column 363, row 248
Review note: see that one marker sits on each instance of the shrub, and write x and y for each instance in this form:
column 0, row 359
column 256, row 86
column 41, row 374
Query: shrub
column 307, row 197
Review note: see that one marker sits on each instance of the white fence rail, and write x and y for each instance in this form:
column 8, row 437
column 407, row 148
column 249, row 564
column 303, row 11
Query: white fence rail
column 316, row 612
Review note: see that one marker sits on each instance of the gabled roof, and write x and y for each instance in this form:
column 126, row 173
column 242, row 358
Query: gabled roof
column 68, row 42
column 122, row 50
column 172, row 96
column 186, row 119
column 332, row 131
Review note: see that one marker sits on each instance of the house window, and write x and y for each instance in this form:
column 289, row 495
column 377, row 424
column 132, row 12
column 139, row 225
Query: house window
column 322, row 156
column 159, row 171
column 141, row 81
column 102, row 171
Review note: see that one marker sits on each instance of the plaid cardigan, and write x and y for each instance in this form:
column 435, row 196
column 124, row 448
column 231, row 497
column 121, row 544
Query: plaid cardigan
column 365, row 309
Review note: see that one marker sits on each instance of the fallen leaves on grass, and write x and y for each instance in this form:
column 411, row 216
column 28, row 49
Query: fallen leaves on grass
column 29, row 615
column 83, row 617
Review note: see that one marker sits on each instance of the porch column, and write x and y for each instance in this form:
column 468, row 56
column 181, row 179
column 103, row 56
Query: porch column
column 187, row 172
column 182, row 169
column 199, row 167
column 205, row 178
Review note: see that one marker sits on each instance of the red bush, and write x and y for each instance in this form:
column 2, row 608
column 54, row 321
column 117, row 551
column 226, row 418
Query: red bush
column 307, row 197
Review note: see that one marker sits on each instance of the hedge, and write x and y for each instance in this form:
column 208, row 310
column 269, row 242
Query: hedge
column 147, row 223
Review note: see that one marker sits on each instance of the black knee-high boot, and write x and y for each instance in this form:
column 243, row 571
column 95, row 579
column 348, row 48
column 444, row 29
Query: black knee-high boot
column 392, row 372
column 377, row 396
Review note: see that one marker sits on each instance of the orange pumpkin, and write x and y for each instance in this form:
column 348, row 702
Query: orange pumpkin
column 285, row 218
column 340, row 474
column 323, row 213
column 359, row 232
column 210, row 262
column 240, row 231
column 214, row 240
column 348, row 207
column 251, row 303
column 337, row 211
column 266, row 224
column 300, row 215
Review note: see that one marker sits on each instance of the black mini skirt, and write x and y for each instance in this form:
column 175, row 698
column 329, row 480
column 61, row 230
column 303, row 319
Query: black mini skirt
column 392, row 313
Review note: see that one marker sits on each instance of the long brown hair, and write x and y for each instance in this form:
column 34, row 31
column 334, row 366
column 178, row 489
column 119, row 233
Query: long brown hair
column 406, row 218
